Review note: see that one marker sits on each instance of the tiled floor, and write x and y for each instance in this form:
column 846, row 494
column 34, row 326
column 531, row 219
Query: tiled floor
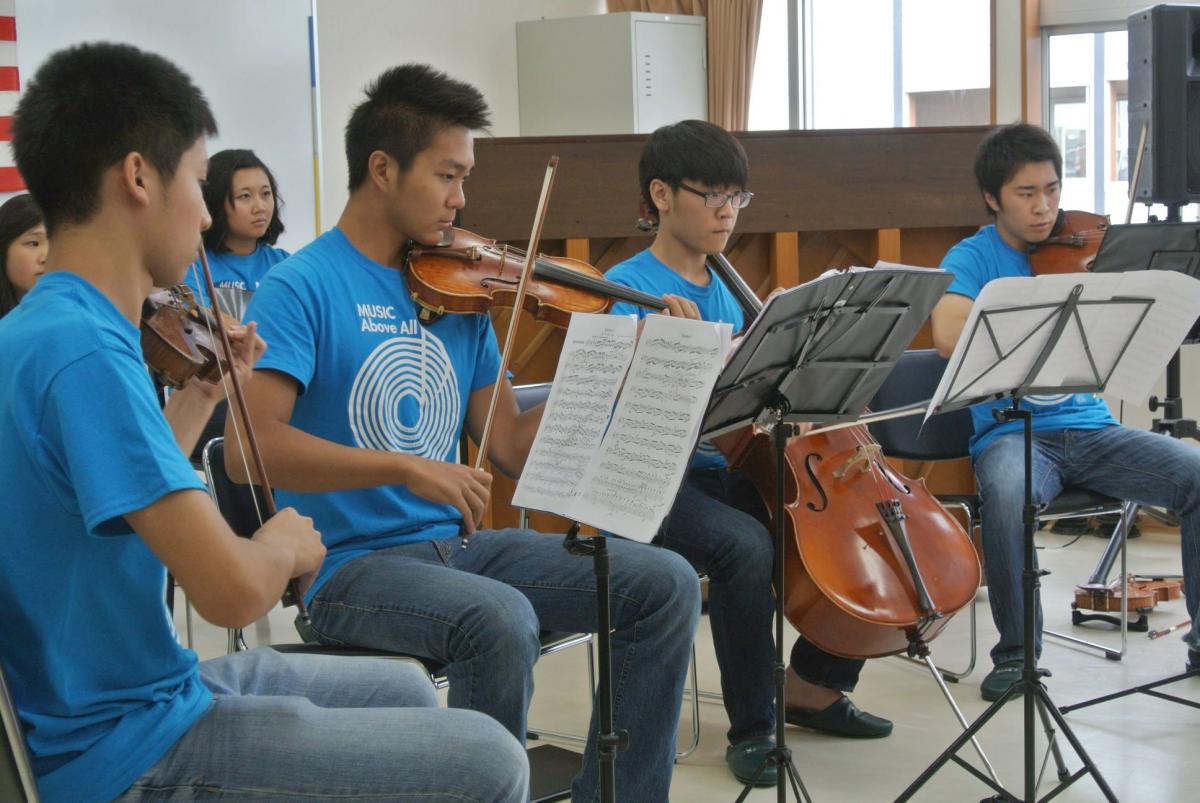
column 1141, row 745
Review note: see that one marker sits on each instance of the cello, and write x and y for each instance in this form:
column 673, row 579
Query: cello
column 874, row 564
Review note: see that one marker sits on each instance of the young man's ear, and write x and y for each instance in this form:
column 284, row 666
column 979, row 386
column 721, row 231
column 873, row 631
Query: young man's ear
column 133, row 176
column 991, row 201
column 661, row 194
column 381, row 170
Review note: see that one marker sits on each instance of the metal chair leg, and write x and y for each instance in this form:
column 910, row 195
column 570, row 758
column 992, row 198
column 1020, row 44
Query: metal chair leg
column 680, row 755
column 1128, row 512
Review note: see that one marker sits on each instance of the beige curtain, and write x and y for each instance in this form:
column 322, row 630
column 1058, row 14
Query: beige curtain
column 733, row 27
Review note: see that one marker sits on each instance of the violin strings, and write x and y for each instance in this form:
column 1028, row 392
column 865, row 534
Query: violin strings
column 230, row 412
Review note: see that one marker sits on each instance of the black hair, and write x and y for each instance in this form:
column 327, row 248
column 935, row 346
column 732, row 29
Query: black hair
column 222, row 166
column 405, row 108
column 1007, row 149
column 695, row 150
column 87, row 108
column 18, row 215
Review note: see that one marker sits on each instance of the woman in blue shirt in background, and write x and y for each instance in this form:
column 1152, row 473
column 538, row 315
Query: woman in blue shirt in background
column 243, row 200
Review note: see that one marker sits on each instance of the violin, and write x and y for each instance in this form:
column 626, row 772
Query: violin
column 1144, row 594
column 177, row 335
column 874, row 564
column 1072, row 245
column 469, row 273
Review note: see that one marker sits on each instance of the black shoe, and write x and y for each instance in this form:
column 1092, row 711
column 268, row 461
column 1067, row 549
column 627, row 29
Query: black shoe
column 745, row 758
column 1000, row 679
column 842, row 718
column 1193, row 661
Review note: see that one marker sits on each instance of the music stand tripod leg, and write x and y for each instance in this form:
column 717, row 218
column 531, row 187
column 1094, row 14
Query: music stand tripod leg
column 780, row 755
column 608, row 740
column 1030, row 684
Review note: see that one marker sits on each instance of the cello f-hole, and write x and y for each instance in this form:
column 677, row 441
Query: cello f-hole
column 812, row 476
column 904, row 489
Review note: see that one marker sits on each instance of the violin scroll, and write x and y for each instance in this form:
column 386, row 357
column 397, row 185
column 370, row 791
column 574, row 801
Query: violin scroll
column 177, row 340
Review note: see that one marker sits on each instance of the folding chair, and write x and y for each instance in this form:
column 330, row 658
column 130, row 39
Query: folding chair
column 947, row 437
column 16, row 775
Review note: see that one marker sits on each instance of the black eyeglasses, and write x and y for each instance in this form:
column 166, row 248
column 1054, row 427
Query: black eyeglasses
column 715, row 200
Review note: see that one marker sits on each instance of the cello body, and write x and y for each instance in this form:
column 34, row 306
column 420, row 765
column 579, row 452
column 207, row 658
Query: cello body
column 849, row 589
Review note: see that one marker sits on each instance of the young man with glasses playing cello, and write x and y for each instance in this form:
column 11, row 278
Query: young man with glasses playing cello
column 693, row 182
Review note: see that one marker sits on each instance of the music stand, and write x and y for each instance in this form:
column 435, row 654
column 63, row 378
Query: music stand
column 1056, row 334
column 1170, row 246
column 815, row 353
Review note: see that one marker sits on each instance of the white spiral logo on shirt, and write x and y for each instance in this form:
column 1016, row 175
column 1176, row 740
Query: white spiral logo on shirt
column 1048, row 400
column 405, row 398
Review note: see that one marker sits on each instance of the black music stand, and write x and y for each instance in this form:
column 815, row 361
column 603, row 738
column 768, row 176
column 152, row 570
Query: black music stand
column 990, row 364
column 1173, row 246
column 816, row 353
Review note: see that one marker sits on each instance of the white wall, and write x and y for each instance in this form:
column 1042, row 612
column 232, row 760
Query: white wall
column 249, row 58
column 472, row 40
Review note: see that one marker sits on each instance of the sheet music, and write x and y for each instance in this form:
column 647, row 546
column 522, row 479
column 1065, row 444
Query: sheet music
column 594, row 359
column 631, row 485
column 974, row 370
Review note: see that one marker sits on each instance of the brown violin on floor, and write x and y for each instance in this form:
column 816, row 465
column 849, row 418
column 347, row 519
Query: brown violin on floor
column 1072, row 245
column 1144, row 594
column 874, row 564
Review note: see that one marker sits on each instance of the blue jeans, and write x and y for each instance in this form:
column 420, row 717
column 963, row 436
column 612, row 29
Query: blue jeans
column 479, row 610
column 1123, row 462
column 717, row 523
column 325, row 727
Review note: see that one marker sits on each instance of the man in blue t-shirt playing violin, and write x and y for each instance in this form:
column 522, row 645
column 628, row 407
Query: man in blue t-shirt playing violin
column 1076, row 440
column 361, row 405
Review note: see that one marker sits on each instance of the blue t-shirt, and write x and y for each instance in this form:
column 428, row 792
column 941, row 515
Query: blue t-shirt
column 371, row 375
column 236, row 276
column 101, row 684
column 646, row 272
column 974, row 262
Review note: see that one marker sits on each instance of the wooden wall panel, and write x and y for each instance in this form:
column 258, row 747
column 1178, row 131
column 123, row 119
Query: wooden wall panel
column 804, row 181
column 825, row 199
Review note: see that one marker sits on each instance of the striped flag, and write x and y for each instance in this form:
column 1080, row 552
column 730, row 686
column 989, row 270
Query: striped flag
column 10, row 83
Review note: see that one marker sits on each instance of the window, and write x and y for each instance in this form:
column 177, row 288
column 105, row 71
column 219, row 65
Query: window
column 873, row 64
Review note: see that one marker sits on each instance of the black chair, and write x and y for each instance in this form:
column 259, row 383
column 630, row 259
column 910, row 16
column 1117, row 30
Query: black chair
column 16, row 775
column 947, row 437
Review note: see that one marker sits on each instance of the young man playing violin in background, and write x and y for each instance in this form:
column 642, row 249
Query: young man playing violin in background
column 1076, row 440
column 693, row 181
column 360, row 407
column 101, row 502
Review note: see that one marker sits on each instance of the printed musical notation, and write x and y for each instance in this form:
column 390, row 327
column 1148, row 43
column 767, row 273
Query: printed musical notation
column 622, row 475
column 591, row 367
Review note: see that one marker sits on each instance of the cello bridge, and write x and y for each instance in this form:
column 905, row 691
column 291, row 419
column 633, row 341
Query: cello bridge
column 863, row 457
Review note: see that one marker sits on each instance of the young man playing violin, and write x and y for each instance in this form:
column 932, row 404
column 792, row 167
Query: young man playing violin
column 693, row 181
column 1076, row 440
column 101, row 502
column 360, row 407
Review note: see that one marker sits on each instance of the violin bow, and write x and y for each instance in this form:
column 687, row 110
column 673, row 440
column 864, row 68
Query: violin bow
column 518, row 304
column 268, row 495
